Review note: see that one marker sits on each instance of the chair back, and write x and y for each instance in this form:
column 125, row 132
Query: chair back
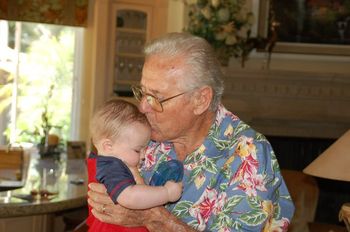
column 304, row 192
column 11, row 162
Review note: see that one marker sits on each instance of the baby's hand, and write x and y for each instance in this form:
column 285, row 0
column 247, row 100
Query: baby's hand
column 174, row 190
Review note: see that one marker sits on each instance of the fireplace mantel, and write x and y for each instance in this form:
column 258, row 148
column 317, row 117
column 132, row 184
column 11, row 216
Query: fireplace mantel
column 290, row 103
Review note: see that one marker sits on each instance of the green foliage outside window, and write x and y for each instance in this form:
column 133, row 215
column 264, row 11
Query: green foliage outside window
column 45, row 82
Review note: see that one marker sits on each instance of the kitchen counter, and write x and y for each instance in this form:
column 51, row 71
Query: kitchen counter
column 71, row 185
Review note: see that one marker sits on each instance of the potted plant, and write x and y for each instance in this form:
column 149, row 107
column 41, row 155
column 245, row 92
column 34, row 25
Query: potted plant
column 48, row 143
column 226, row 25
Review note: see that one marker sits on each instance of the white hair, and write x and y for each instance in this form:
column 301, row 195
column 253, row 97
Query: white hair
column 201, row 66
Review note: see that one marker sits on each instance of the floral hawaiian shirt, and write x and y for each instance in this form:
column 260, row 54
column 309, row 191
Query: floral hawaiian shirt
column 232, row 182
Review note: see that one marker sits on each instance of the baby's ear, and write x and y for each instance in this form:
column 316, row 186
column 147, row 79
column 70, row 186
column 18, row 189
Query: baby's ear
column 106, row 144
column 203, row 98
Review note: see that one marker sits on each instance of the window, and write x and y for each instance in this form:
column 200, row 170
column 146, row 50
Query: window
column 39, row 78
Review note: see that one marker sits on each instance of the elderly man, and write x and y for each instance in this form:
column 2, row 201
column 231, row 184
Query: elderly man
column 232, row 180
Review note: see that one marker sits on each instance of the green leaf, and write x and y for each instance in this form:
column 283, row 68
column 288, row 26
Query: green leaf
column 181, row 209
column 212, row 183
column 241, row 127
column 274, row 162
column 277, row 211
column 221, row 144
column 260, row 138
column 189, row 159
column 222, row 220
column 254, row 217
column 254, row 202
column 237, row 226
column 231, row 203
column 210, row 165
column 193, row 224
column 226, row 172
column 196, row 172
column 223, row 186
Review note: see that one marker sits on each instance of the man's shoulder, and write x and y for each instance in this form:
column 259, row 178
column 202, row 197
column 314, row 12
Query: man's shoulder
column 230, row 125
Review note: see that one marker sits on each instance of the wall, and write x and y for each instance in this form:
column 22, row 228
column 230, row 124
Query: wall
column 290, row 103
column 95, row 71
column 300, row 62
column 176, row 16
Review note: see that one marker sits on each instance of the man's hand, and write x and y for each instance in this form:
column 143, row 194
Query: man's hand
column 155, row 219
column 105, row 210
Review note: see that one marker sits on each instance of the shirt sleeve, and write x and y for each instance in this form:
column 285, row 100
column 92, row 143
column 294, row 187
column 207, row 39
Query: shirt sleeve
column 114, row 174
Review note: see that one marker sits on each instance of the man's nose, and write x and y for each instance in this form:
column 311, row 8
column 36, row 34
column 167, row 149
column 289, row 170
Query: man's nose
column 144, row 106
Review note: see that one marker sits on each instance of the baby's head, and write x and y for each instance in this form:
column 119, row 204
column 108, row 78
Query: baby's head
column 119, row 129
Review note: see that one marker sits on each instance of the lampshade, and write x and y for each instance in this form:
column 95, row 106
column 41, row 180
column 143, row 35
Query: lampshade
column 334, row 162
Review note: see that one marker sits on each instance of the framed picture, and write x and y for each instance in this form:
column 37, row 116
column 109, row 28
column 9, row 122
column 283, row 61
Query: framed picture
column 307, row 26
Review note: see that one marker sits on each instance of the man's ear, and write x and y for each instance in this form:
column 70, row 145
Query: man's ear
column 203, row 98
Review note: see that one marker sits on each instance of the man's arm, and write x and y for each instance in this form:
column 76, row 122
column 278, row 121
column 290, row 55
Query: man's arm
column 155, row 219
column 160, row 219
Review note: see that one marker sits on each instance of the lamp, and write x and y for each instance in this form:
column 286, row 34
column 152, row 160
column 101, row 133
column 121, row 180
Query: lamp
column 334, row 164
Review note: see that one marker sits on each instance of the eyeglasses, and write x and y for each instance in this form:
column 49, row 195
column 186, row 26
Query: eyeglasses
column 153, row 101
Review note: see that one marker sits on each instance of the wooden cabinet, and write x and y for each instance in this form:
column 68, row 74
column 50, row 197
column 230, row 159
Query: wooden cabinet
column 35, row 223
column 132, row 23
column 100, row 77
column 130, row 33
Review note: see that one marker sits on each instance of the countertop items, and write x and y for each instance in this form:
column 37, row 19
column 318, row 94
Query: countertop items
column 51, row 186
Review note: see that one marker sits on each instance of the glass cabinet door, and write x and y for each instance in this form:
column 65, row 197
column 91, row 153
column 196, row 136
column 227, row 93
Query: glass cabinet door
column 130, row 37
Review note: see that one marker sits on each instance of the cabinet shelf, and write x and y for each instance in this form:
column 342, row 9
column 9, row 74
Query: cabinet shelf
column 129, row 55
column 131, row 30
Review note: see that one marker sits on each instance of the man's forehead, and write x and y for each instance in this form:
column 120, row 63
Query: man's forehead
column 166, row 62
column 158, row 77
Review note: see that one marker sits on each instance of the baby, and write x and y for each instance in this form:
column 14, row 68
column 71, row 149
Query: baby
column 120, row 133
